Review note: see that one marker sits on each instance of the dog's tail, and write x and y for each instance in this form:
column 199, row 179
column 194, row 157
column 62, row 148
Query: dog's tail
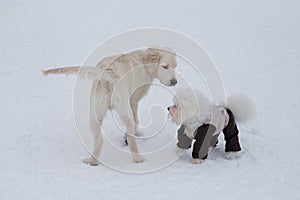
column 63, row 70
column 90, row 72
column 242, row 107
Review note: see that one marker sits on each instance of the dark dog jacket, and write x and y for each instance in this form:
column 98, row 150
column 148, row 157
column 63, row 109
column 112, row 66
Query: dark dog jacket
column 206, row 135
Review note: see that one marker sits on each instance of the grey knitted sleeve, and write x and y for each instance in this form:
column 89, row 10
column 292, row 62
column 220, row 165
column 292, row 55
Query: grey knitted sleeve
column 184, row 142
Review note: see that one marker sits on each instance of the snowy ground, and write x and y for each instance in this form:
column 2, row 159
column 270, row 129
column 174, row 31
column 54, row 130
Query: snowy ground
column 255, row 45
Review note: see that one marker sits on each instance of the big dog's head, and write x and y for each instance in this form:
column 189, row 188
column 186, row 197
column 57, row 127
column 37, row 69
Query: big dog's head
column 161, row 64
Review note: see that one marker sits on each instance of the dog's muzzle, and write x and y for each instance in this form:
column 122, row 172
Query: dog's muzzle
column 173, row 82
column 169, row 114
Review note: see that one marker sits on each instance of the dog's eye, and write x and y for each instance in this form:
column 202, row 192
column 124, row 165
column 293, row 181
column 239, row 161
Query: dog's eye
column 165, row 66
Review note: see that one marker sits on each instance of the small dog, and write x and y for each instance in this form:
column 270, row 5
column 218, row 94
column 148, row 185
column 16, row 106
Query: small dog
column 120, row 82
column 201, row 121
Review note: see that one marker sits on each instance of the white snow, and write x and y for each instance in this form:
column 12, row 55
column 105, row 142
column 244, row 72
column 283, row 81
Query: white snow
column 255, row 45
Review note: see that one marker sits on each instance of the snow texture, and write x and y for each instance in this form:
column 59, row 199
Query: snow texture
column 255, row 45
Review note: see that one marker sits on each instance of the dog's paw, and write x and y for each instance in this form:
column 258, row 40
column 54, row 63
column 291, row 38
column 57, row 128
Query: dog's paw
column 138, row 133
column 210, row 149
column 179, row 151
column 91, row 161
column 196, row 161
column 138, row 159
column 124, row 141
column 231, row 155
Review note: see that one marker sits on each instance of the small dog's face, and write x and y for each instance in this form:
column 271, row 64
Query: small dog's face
column 188, row 104
column 174, row 112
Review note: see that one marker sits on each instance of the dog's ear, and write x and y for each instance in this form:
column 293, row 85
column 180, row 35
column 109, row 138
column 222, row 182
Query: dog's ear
column 151, row 60
column 151, row 56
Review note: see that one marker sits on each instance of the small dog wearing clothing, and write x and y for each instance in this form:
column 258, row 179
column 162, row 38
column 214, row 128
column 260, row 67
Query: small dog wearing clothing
column 203, row 122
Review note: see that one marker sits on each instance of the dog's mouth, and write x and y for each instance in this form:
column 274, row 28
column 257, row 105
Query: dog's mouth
column 166, row 84
column 169, row 116
column 169, row 83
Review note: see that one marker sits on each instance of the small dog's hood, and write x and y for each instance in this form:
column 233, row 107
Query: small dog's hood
column 194, row 106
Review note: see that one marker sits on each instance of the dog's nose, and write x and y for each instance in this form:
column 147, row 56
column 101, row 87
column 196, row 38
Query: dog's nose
column 173, row 82
column 168, row 108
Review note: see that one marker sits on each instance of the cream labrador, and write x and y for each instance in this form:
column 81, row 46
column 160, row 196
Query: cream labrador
column 119, row 82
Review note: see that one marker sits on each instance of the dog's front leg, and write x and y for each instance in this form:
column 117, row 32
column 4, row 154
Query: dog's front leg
column 134, row 106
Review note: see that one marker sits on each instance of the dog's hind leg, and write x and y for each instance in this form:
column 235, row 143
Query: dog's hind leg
column 95, row 126
column 231, row 133
column 98, row 107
